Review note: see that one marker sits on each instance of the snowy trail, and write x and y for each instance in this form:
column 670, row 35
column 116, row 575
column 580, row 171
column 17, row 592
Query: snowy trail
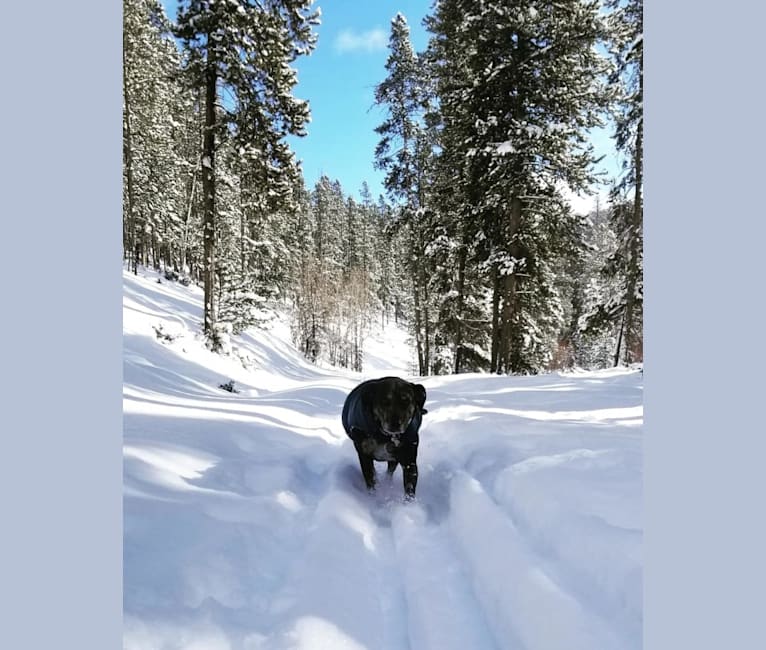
column 247, row 525
column 443, row 611
column 338, row 575
column 375, row 555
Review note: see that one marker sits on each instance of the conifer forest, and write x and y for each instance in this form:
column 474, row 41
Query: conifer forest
column 473, row 247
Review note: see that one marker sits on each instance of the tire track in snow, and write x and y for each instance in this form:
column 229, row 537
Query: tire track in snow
column 524, row 606
column 581, row 531
column 443, row 613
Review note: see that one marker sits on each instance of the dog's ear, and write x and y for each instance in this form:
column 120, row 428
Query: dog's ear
column 420, row 396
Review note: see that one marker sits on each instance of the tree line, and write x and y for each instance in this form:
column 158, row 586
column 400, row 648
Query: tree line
column 474, row 249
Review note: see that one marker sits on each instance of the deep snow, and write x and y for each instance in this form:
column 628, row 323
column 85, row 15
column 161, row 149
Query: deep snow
column 246, row 524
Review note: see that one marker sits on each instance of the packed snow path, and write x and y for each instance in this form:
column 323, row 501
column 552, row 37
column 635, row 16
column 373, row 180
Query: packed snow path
column 247, row 525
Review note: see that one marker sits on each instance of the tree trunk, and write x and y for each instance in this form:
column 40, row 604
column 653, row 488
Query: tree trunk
column 494, row 365
column 241, row 238
column 506, row 328
column 462, row 254
column 208, row 191
column 418, row 325
column 619, row 340
column 426, row 326
column 156, row 251
column 633, row 265
column 509, row 358
column 420, row 261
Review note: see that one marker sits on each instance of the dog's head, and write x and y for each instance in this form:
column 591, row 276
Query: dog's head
column 393, row 403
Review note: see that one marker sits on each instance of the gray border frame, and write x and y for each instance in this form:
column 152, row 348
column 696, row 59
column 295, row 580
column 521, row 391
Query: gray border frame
column 704, row 485
column 61, row 556
column 61, row 475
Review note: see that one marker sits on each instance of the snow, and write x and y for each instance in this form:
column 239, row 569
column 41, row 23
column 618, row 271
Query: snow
column 505, row 147
column 247, row 526
column 388, row 351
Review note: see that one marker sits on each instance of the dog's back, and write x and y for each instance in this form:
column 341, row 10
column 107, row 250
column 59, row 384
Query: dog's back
column 354, row 414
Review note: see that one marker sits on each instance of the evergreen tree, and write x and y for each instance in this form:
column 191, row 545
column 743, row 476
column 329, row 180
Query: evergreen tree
column 366, row 236
column 596, row 296
column 241, row 51
column 391, row 260
column 519, row 85
column 403, row 152
column 626, row 28
column 329, row 219
column 152, row 164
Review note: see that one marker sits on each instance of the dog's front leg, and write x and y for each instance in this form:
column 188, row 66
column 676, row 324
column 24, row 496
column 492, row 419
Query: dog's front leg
column 368, row 469
column 410, row 472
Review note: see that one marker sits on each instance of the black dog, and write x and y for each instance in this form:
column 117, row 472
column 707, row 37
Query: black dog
column 382, row 417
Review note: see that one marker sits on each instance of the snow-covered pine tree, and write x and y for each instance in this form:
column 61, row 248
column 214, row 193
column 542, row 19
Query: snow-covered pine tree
column 403, row 153
column 322, row 313
column 235, row 303
column 391, row 261
column 595, row 326
column 239, row 53
column 258, row 259
column 366, row 237
column 152, row 163
column 455, row 240
column 374, row 253
column 519, row 86
column 352, row 236
column 298, row 235
column 329, row 207
column 626, row 26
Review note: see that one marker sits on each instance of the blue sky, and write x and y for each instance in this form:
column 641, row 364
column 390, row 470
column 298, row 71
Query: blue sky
column 339, row 78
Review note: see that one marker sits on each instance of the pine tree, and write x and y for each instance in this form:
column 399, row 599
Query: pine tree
column 366, row 236
column 239, row 52
column 152, row 164
column 519, row 85
column 329, row 217
column 626, row 28
column 597, row 294
column 403, row 152
column 390, row 261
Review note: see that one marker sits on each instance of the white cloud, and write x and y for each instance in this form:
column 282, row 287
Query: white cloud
column 373, row 40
